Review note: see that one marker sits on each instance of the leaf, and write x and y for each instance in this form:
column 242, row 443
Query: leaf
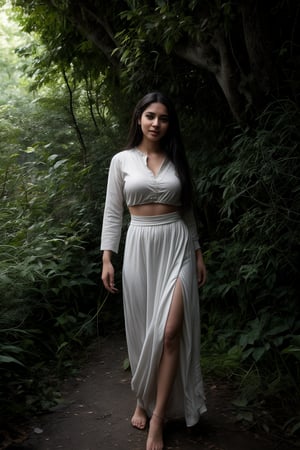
column 291, row 350
column 277, row 330
column 258, row 353
column 241, row 402
column 11, row 348
column 29, row 150
column 10, row 359
column 52, row 157
column 63, row 345
column 126, row 364
column 59, row 163
column 247, row 353
column 245, row 415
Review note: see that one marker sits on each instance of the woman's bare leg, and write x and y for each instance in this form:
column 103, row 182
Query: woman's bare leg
column 167, row 369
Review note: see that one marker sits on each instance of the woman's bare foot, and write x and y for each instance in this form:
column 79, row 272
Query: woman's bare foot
column 155, row 435
column 139, row 418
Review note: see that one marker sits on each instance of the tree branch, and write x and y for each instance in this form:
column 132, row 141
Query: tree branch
column 258, row 45
column 75, row 123
column 215, row 57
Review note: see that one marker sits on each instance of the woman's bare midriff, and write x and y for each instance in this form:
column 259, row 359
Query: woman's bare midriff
column 152, row 209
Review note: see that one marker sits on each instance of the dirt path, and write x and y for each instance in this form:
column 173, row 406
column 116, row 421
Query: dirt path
column 96, row 413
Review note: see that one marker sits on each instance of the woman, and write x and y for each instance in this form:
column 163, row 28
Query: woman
column 162, row 269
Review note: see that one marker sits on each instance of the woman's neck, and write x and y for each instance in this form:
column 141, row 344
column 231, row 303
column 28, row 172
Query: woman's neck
column 150, row 147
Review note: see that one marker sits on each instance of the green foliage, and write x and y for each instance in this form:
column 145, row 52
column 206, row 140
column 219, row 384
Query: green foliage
column 54, row 153
column 183, row 48
column 253, row 263
column 45, row 273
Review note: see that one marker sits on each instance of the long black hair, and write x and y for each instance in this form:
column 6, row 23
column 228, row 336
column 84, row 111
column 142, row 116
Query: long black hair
column 171, row 143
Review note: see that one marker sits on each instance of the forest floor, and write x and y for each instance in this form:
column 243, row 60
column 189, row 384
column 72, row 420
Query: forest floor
column 96, row 409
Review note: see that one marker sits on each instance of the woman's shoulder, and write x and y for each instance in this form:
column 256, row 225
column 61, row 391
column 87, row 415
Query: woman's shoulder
column 123, row 155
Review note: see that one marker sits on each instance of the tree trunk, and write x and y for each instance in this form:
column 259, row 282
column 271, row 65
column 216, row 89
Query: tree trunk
column 215, row 57
column 259, row 47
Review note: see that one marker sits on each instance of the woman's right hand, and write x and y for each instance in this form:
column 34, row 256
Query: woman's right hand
column 108, row 273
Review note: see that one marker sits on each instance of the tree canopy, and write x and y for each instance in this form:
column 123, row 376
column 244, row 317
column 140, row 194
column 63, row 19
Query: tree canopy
column 249, row 48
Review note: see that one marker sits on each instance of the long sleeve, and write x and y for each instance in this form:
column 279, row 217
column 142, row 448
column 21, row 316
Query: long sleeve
column 114, row 207
column 189, row 218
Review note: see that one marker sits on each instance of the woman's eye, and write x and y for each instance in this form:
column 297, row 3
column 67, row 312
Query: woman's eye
column 161, row 119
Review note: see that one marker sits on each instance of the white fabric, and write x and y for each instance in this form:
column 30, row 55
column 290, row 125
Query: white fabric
column 130, row 181
column 140, row 185
column 158, row 252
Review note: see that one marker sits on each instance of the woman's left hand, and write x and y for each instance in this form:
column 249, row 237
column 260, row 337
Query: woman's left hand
column 201, row 269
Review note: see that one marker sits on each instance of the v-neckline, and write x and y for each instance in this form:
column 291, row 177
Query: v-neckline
column 146, row 156
column 155, row 174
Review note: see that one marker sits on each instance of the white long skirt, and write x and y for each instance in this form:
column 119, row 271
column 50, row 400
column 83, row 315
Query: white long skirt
column 158, row 252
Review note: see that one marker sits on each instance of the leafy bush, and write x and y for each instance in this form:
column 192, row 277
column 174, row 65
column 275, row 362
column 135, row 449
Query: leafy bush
column 251, row 298
column 44, row 273
column 50, row 218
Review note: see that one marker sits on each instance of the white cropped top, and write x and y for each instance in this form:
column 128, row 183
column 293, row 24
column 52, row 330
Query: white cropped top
column 131, row 182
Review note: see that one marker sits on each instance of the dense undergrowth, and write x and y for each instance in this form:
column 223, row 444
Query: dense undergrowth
column 251, row 322
column 50, row 222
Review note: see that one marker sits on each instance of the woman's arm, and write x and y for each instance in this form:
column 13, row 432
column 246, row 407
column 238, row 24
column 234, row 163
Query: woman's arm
column 190, row 221
column 112, row 223
column 201, row 269
column 108, row 272
column 114, row 207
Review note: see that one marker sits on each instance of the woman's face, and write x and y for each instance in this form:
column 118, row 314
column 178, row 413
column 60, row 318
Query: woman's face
column 154, row 122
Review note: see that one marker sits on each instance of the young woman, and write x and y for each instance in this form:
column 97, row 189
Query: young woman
column 162, row 269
